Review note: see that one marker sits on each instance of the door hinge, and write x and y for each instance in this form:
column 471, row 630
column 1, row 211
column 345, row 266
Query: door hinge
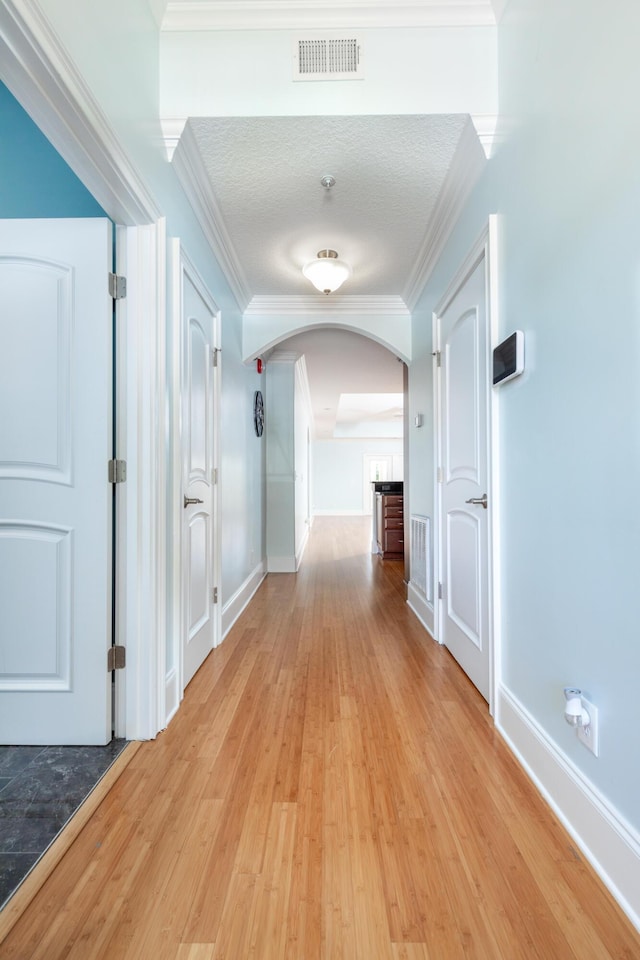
column 438, row 356
column 214, row 595
column 116, row 658
column 214, row 476
column 440, row 477
column 117, row 471
column 117, row 286
column 214, row 356
column 440, row 591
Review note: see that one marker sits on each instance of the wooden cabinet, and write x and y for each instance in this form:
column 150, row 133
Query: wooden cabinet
column 390, row 525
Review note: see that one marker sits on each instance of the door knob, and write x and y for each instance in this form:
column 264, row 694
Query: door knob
column 188, row 500
column 478, row 501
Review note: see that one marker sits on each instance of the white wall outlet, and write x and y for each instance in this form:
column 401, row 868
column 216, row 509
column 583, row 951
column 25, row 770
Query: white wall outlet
column 589, row 735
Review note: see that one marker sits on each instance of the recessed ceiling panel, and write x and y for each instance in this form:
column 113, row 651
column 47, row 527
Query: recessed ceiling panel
column 266, row 172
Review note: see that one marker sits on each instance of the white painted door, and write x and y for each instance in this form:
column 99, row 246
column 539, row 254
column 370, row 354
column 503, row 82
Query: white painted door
column 55, row 499
column 198, row 394
column 463, row 522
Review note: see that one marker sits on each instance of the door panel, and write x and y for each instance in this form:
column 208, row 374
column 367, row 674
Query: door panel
column 461, row 410
column 55, row 500
column 197, row 525
column 464, row 561
column 198, row 610
column 36, row 439
column 464, row 527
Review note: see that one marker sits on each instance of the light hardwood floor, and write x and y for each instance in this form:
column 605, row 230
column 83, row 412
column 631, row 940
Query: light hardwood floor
column 332, row 787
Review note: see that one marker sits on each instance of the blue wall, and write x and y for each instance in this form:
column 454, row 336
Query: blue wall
column 34, row 179
column 565, row 186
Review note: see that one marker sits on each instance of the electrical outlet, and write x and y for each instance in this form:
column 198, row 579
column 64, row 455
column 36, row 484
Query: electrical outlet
column 589, row 735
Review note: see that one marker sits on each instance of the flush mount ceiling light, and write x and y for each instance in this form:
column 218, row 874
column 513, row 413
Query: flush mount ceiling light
column 326, row 272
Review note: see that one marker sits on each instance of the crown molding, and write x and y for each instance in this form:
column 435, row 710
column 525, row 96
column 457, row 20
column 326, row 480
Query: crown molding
column 192, row 175
column 486, row 125
column 468, row 163
column 42, row 76
column 172, row 129
column 324, row 14
column 332, row 307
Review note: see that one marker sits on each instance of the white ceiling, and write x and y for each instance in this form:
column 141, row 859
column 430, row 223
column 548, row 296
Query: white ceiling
column 265, row 173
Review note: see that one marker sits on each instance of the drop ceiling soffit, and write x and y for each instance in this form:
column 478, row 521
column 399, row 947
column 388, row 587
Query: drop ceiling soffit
column 324, row 14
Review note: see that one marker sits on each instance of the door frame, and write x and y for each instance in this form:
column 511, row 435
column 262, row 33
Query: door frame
column 179, row 266
column 140, row 609
column 486, row 246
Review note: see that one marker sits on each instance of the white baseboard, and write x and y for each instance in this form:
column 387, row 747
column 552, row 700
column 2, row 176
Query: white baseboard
column 422, row 609
column 281, row 564
column 172, row 694
column 608, row 841
column 302, row 547
column 240, row 599
column 341, row 513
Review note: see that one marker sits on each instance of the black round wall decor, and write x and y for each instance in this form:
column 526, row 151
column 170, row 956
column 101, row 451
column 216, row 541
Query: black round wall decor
column 258, row 413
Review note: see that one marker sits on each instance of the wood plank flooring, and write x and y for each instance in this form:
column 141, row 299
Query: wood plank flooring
column 332, row 787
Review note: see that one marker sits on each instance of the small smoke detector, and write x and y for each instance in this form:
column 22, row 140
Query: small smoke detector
column 327, row 56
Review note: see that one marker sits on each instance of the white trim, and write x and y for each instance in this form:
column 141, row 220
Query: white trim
column 486, row 124
column 608, row 841
column 174, row 469
column 282, row 565
column 437, row 470
column 303, row 546
column 468, row 163
column 422, row 608
column 483, row 248
column 195, row 182
column 42, row 76
column 494, row 475
column 180, row 266
column 240, row 600
column 217, row 461
column 172, row 129
column 158, row 427
column 142, row 519
column 171, row 694
column 386, row 308
column 395, row 336
column 323, row 14
column 341, row 513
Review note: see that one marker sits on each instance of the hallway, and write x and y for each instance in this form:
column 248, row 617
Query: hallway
column 332, row 786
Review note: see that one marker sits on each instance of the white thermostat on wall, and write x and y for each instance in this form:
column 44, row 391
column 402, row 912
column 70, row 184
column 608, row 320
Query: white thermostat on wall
column 508, row 358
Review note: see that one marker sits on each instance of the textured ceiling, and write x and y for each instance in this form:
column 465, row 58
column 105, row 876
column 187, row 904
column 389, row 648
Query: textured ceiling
column 265, row 174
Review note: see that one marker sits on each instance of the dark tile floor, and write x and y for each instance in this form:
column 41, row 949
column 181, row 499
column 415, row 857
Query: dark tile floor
column 40, row 789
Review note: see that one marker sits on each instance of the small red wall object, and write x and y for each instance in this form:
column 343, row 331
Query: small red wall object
column 259, row 365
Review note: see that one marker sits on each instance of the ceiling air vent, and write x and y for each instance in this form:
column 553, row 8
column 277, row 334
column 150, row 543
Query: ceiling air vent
column 327, row 57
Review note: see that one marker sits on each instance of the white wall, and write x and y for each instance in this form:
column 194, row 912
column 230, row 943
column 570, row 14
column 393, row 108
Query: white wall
column 435, row 70
column 338, row 472
column 565, row 185
column 288, row 423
